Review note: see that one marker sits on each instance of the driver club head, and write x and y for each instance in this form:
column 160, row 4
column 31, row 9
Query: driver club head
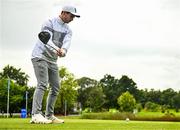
column 44, row 36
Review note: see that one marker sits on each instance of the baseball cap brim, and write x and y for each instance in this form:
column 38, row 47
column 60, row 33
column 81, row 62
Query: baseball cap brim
column 75, row 14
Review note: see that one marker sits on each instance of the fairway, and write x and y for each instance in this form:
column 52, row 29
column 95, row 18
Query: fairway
column 83, row 124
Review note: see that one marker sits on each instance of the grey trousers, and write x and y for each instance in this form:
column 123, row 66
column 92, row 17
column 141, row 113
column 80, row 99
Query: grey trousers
column 46, row 73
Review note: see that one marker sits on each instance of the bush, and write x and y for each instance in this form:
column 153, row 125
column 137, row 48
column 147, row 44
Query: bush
column 150, row 106
column 127, row 102
column 139, row 107
column 108, row 116
column 131, row 116
column 164, row 108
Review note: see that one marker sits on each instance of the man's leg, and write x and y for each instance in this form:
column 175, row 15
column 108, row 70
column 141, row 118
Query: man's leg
column 41, row 72
column 54, row 81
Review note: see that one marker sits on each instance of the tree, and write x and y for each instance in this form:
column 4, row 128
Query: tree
column 18, row 88
column 3, row 95
column 85, row 90
column 30, row 91
column 113, row 87
column 14, row 74
column 94, row 98
column 142, row 97
column 166, row 97
column 16, row 98
column 150, row 106
column 111, row 91
column 154, row 96
column 127, row 84
column 176, row 101
column 126, row 102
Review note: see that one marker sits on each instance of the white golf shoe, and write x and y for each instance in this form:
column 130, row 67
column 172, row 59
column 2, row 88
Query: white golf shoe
column 55, row 120
column 39, row 119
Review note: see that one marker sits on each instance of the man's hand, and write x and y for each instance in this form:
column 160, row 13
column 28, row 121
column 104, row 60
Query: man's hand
column 61, row 52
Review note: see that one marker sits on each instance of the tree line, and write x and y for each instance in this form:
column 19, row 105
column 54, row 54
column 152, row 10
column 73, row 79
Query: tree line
column 86, row 94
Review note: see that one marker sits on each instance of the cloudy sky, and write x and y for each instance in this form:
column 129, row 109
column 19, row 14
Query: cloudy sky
column 137, row 38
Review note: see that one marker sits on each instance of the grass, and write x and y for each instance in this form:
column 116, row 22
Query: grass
column 84, row 124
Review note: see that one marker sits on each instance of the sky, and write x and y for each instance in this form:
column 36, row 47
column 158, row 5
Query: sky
column 137, row 38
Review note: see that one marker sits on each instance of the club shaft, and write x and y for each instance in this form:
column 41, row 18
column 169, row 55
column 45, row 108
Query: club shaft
column 52, row 47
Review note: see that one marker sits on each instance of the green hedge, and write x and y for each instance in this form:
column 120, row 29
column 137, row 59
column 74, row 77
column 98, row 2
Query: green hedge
column 108, row 116
column 131, row 116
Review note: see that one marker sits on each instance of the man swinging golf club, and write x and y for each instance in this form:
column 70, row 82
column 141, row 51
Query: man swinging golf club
column 54, row 41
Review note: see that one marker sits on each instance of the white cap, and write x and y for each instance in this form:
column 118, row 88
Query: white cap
column 71, row 10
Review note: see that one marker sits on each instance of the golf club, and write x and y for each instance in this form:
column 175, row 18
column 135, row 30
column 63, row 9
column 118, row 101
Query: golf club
column 44, row 37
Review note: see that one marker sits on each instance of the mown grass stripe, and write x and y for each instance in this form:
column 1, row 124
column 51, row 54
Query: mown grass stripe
column 86, row 124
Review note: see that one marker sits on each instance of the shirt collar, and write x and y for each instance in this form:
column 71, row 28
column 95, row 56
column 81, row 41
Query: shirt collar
column 60, row 21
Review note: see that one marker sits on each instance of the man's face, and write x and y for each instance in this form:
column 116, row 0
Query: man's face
column 67, row 17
